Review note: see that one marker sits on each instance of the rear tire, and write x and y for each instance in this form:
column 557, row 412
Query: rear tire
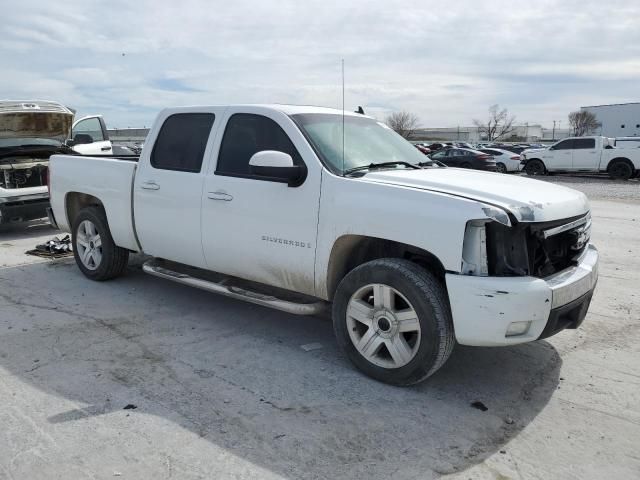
column 501, row 167
column 535, row 167
column 392, row 319
column 466, row 165
column 620, row 170
column 96, row 254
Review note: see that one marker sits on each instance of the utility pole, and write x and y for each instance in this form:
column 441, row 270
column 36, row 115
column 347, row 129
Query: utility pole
column 553, row 133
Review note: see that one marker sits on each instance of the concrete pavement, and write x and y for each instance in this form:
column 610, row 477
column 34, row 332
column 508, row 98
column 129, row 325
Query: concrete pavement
column 223, row 389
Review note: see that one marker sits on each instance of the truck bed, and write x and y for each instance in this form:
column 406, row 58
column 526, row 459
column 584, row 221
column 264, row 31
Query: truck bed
column 107, row 178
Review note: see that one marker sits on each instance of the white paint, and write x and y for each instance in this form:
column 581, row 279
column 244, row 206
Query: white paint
column 484, row 307
column 271, row 158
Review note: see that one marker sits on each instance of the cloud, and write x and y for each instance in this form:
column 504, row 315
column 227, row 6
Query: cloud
column 446, row 62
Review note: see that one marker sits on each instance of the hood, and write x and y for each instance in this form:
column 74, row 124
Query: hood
column 35, row 120
column 534, row 150
column 527, row 199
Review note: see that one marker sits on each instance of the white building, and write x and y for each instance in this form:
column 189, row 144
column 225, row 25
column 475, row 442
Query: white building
column 617, row 120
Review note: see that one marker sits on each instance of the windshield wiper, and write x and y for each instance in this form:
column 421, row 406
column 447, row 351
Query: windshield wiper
column 373, row 166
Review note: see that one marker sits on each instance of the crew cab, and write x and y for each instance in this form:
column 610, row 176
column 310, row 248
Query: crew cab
column 303, row 209
column 583, row 154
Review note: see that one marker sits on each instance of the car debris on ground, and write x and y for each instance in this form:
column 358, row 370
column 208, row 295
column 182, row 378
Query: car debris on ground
column 54, row 248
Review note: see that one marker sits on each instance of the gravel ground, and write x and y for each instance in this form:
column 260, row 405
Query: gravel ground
column 599, row 187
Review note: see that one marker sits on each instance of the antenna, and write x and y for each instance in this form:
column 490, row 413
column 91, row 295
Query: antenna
column 343, row 116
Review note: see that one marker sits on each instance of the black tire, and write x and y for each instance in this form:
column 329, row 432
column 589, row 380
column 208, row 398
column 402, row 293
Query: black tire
column 620, row 170
column 114, row 259
column 428, row 297
column 466, row 165
column 501, row 167
column 535, row 167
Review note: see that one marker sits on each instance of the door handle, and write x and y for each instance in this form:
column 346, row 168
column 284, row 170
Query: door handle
column 150, row 186
column 220, row 196
column 105, row 149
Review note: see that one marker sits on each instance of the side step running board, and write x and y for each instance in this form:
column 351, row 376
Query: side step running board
column 222, row 287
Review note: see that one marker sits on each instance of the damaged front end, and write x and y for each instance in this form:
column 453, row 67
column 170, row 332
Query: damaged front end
column 30, row 132
column 522, row 281
column 526, row 249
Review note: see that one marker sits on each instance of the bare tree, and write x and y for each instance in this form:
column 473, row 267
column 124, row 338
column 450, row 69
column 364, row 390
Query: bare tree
column 583, row 122
column 500, row 124
column 403, row 123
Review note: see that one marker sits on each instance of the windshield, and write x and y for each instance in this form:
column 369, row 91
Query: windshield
column 29, row 142
column 366, row 141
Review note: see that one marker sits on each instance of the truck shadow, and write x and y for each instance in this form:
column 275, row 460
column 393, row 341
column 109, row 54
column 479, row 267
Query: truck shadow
column 235, row 375
column 26, row 230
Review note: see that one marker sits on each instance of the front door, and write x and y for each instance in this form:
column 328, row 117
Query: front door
column 168, row 188
column 257, row 228
column 559, row 156
column 90, row 135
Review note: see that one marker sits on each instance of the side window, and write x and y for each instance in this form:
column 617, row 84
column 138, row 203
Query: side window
column 181, row 142
column 247, row 134
column 584, row 143
column 439, row 154
column 564, row 145
column 90, row 127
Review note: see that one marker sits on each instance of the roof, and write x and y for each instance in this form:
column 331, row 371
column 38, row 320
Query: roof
column 286, row 109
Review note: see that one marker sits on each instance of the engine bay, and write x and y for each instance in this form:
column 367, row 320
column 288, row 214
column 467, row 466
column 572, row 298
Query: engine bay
column 23, row 173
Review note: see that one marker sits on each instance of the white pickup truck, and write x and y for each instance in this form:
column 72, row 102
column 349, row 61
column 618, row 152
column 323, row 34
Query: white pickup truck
column 297, row 208
column 583, row 154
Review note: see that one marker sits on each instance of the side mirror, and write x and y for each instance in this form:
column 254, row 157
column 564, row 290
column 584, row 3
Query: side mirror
column 277, row 166
column 70, row 143
column 82, row 139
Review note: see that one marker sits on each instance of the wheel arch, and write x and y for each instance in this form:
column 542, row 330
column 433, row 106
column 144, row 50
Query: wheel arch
column 74, row 202
column 621, row 159
column 350, row 251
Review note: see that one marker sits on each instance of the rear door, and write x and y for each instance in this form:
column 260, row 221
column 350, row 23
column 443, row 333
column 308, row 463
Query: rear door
column 585, row 154
column 253, row 227
column 90, row 135
column 168, row 186
column 559, row 156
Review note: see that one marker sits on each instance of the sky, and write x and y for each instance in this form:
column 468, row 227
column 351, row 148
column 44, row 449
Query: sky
column 444, row 61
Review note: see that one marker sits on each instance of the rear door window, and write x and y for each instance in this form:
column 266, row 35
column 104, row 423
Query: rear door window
column 182, row 141
column 584, row 143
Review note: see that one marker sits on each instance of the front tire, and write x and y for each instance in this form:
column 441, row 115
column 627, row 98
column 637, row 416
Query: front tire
column 535, row 167
column 501, row 167
column 392, row 319
column 96, row 254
